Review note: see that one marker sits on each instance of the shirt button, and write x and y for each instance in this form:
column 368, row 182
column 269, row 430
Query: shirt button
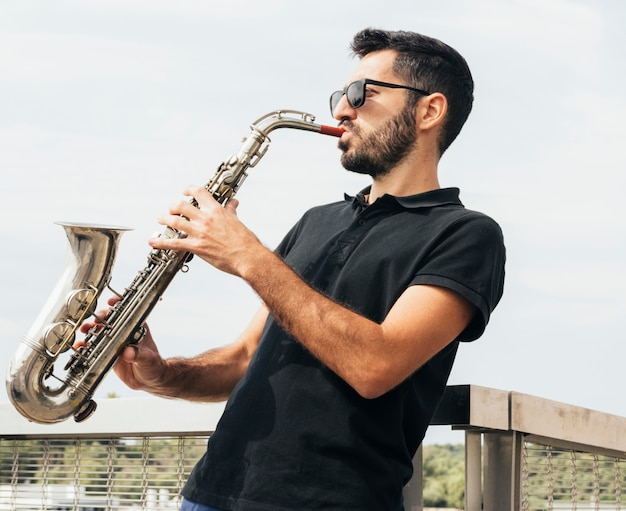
column 361, row 222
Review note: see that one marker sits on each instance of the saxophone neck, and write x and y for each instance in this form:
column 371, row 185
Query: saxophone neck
column 232, row 173
column 292, row 119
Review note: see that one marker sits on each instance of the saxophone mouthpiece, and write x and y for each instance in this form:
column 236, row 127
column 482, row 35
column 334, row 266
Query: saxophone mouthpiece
column 331, row 130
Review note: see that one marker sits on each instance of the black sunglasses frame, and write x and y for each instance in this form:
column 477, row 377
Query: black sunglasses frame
column 359, row 101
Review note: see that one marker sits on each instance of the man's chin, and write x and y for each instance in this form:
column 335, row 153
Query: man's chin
column 353, row 166
column 364, row 167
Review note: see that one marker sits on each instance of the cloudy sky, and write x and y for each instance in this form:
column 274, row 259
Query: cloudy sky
column 109, row 108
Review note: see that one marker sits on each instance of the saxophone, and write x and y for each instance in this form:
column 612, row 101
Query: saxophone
column 47, row 395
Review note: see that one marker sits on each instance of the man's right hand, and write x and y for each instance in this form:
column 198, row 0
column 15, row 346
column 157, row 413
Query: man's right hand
column 140, row 366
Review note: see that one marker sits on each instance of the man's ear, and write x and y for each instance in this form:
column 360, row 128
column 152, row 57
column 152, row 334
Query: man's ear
column 431, row 111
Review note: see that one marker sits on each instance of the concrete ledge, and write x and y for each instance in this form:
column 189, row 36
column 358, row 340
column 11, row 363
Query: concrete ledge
column 462, row 407
column 568, row 423
column 122, row 417
column 473, row 406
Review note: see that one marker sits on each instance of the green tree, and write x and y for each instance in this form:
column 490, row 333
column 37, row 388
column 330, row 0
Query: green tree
column 444, row 475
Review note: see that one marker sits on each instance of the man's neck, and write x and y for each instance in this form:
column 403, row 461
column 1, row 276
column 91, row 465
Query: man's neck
column 405, row 180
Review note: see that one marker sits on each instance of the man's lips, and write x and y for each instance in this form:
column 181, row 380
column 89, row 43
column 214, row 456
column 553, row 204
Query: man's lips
column 348, row 126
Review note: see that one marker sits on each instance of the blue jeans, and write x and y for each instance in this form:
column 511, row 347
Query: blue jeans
column 187, row 505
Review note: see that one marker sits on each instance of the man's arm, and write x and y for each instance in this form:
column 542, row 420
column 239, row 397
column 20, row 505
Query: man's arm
column 210, row 376
column 372, row 358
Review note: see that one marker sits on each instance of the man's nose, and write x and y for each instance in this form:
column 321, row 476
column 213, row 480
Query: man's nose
column 343, row 110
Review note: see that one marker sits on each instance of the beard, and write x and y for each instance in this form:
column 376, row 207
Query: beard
column 381, row 150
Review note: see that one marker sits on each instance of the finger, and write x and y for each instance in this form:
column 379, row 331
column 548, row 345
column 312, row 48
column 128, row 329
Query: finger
column 176, row 222
column 196, row 191
column 232, row 205
column 85, row 327
column 97, row 322
column 114, row 299
column 165, row 243
column 100, row 315
column 182, row 208
column 130, row 354
column 202, row 196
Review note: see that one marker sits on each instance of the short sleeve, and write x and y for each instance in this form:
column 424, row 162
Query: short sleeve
column 469, row 258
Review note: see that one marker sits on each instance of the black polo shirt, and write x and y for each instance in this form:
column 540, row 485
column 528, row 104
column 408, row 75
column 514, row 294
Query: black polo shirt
column 294, row 435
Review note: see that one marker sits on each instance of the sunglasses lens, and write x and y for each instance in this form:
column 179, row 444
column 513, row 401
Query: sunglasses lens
column 355, row 94
column 335, row 98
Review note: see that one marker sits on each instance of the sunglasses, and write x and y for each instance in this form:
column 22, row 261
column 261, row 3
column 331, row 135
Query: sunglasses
column 355, row 92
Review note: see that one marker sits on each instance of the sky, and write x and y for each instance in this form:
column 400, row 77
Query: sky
column 109, row 108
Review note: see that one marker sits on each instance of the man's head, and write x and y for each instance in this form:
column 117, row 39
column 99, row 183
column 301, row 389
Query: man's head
column 426, row 64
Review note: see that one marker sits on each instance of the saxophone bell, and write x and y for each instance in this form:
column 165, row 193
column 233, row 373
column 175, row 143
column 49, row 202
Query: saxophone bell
column 37, row 386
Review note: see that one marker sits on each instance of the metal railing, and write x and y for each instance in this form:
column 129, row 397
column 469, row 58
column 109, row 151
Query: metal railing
column 532, row 454
column 522, row 453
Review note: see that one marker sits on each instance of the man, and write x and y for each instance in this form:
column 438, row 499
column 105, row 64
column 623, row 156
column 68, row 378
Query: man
column 332, row 385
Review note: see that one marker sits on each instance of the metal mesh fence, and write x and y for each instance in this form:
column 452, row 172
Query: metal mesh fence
column 122, row 474
column 147, row 473
column 566, row 479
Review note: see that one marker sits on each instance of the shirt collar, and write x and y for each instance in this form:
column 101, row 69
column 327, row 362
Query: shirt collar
column 432, row 198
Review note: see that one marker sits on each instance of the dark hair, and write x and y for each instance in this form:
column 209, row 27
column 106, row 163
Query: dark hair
column 429, row 64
